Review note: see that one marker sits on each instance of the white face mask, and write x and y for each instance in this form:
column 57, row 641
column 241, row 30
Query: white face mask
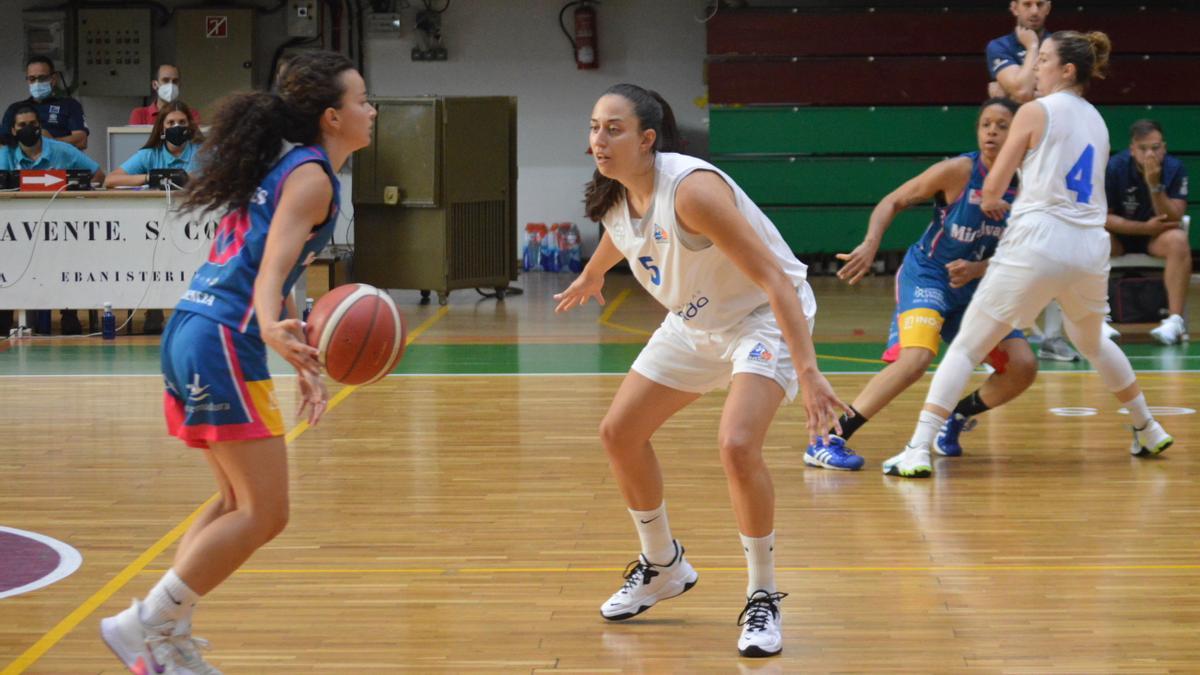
column 168, row 92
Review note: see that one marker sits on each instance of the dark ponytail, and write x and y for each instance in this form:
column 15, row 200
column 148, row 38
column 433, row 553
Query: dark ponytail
column 653, row 112
column 249, row 129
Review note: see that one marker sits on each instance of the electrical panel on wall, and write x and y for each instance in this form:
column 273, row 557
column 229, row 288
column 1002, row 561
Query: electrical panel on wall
column 303, row 18
column 48, row 33
column 114, row 52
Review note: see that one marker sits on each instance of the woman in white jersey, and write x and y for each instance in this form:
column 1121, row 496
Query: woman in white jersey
column 740, row 315
column 1055, row 248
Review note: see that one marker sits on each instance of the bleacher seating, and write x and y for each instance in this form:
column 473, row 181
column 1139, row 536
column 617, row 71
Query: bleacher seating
column 819, row 113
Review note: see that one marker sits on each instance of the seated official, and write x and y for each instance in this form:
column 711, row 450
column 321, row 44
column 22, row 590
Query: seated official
column 61, row 116
column 173, row 144
column 29, row 149
column 1147, row 199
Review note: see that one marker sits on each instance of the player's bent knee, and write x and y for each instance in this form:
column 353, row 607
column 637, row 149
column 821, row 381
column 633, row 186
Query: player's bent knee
column 741, row 455
column 615, row 436
column 914, row 361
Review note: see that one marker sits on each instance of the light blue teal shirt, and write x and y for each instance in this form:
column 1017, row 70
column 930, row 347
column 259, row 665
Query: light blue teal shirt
column 161, row 158
column 55, row 155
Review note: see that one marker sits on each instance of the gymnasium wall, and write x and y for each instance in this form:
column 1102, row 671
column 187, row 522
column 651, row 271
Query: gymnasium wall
column 497, row 47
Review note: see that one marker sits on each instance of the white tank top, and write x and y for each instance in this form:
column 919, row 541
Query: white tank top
column 1064, row 175
column 698, row 283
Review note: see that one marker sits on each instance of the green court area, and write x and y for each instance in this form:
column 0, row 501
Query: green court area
column 123, row 358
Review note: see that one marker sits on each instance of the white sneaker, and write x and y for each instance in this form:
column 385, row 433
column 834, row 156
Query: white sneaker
column 1109, row 332
column 143, row 649
column 188, row 660
column 1057, row 349
column 1150, row 440
column 1171, row 331
column 761, row 624
column 647, row 583
column 910, row 463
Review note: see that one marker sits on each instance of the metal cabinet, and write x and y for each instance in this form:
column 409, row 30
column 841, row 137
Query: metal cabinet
column 435, row 195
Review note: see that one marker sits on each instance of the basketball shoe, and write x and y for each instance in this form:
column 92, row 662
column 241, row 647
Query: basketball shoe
column 947, row 443
column 761, row 625
column 1057, row 349
column 1171, row 331
column 835, row 455
column 910, row 463
column 1150, row 440
column 153, row 649
column 647, row 583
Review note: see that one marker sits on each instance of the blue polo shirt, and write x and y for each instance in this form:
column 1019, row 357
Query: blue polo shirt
column 1127, row 193
column 59, row 116
column 146, row 159
column 55, row 155
column 1004, row 52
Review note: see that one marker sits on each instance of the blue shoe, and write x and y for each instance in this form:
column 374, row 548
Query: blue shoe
column 947, row 443
column 833, row 456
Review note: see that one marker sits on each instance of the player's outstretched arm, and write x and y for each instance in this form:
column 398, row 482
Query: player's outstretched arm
column 704, row 204
column 947, row 177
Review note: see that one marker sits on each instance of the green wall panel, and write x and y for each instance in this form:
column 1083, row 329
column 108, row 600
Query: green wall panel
column 902, row 130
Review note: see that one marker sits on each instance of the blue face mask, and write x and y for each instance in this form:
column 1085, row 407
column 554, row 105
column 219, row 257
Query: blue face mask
column 39, row 90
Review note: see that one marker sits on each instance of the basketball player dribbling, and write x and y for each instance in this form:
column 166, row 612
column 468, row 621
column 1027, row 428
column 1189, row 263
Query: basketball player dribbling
column 270, row 166
column 740, row 313
column 1055, row 247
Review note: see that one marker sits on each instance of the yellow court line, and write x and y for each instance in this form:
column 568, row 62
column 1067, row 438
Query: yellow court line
column 606, row 317
column 607, row 570
column 51, row 638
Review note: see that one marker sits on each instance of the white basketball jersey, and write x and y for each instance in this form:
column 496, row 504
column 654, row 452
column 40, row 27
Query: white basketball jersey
column 1064, row 175
column 701, row 285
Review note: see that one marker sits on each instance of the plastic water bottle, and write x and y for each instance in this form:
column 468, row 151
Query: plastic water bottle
column 308, row 303
column 550, row 250
column 108, row 323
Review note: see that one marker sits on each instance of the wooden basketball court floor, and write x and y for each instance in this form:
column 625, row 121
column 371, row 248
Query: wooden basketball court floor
column 460, row 517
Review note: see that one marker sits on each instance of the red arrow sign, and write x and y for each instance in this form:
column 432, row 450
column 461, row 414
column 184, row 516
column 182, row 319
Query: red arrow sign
column 42, row 181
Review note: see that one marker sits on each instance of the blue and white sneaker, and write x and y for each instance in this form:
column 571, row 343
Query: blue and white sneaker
column 833, row 456
column 947, row 444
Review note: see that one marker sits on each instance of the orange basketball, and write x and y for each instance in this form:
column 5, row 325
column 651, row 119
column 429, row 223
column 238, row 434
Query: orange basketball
column 359, row 333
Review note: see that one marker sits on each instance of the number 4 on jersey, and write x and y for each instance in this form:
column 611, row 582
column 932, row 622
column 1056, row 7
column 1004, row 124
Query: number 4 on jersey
column 1079, row 178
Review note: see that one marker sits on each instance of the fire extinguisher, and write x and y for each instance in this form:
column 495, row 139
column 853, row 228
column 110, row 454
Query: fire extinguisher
column 584, row 40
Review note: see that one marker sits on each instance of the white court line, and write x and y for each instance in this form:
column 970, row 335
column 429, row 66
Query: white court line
column 69, row 560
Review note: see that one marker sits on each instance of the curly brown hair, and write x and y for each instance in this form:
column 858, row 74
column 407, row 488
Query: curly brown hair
column 160, row 122
column 249, row 129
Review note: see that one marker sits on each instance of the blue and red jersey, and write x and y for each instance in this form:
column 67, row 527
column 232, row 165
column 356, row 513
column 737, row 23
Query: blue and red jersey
column 223, row 288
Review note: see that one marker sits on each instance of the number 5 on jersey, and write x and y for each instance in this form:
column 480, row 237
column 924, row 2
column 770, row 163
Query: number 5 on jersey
column 648, row 263
column 1079, row 178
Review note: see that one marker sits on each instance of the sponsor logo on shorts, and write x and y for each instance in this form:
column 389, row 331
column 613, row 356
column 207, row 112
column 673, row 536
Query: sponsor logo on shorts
column 911, row 321
column 196, row 391
column 660, row 235
column 760, row 353
column 932, row 295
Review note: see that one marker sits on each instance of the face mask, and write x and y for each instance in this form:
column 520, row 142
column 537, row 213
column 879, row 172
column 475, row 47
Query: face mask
column 177, row 135
column 39, row 90
column 168, row 92
column 29, row 136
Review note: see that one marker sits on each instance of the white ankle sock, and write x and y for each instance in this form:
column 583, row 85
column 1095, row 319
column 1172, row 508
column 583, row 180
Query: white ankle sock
column 1139, row 411
column 655, row 533
column 169, row 600
column 928, row 425
column 760, row 562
